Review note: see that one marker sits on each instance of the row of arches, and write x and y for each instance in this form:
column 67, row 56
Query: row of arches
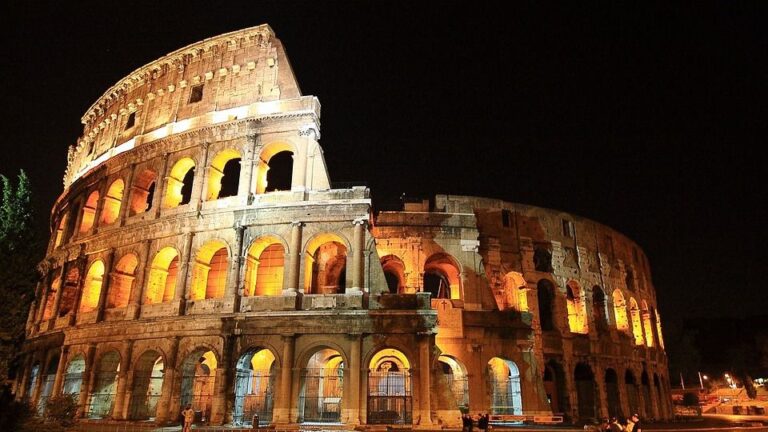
column 273, row 173
column 641, row 321
column 441, row 275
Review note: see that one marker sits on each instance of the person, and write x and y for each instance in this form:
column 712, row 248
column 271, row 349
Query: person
column 482, row 422
column 634, row 425
column 615, row 426
column 464, row 426
column 189, row 417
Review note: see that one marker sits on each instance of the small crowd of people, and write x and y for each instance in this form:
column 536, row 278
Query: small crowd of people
column 633, row 424
column 468, row 422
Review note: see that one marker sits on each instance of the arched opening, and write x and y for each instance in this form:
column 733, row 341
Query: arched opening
column 60, row 230
column 598, row 309
column 631, row 388
column 34, row 375
column 389, row 388
column 73, row 377
column 264, row 268
column 47, row 385
column 223, row 175
column 89, row 212
column 92, row 287
column 554, row 386
column 577, row 314
column 542, row 260
column 102, row 398
column 456, row 375
column 442, row 277
column 254, row 387
column 50, row 299
column 275, row 169
column 394, row 273
column 514, row 296
column 209, row 277
column 504, row 387
column 659, row 335
column 585, row 391
column 662, row 407
column 637, row 326
column 322, row 383
column 646, row 385
column 326, row 265
column 142, row 192
column 545, row 294
column 112, row 202
column 620, row 311
column 122, row 281
column 178, row 189
column 647, row 324
column 69, row 292
column 162, row 276
column 197, row 383
column 147, row 386
column 612, row 393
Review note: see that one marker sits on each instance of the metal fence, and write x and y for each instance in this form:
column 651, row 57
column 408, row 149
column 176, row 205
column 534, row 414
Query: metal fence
column 253, row 396
column 321, row 397
column 389, row 397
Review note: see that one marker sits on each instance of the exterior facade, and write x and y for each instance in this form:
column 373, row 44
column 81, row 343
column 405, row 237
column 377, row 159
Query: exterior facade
column 199, row 255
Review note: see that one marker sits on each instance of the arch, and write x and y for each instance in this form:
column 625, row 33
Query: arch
column 599, row 311
column 612, row 393
column 142, row 192
column 325, row 264
column 389, row 388
column 102, row 397
column 637, row 326
column 577, row 315
column 322, row 382
column 545, row 294
column 113, row 200
column 209, row 274
column 504, row 386
column 542, row 259
column 198, row 381
column 647, row 324
column 73, row 376
column 456, row 374
column 161, row 284
column 394, row 273
column 50, row 299
column 272, row 175
column 442, row 276
column 47, row 385
column 34, row 375
column 89, row 212
column 178, row 189
column 223, row 175
column 632, row 390
column 265, row 267
column 69, row 292
column 122, row 278
column 94, row 279
column 585, row 391
column 646, row 386
column 620, row 311
column 515, row 293
column 148, row 374
column 554, row 386
column 254, row 386
column 61, row 230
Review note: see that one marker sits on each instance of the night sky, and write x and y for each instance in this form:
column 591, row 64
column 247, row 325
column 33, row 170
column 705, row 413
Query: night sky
column 648, row 119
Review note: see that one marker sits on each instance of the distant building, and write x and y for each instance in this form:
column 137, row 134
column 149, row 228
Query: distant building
column 199, row 254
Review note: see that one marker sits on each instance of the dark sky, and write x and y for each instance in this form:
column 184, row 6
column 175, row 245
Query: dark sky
column 649, row 119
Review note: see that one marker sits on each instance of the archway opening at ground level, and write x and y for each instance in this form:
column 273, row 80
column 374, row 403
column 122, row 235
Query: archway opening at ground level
column 102, row 398
column 389, row 388
column 322, row 382
column 254, row 387
column 197, row 383
column 631, row 388
column 34, row 373
column 47, row 384
column 646, row 394
column 147, row 386
column 504, row 387
column 456, row 375
column 73, row 377
column 585, row 391
column 554, row 386
column 612, row 393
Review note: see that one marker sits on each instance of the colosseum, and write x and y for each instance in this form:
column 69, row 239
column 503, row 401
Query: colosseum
column 199, row 254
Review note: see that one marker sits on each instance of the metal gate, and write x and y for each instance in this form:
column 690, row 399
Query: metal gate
column 145, row 395
column 321, row 396
column 72, row 383
column 253, row 396
column 198, row 391
column 506, row 396
column 389, row 397
column 103, row 397
column 460, row 389
column 45, row 393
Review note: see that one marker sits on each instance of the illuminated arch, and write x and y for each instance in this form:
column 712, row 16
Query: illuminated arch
column 325, row 264
column 504, row 386
column 389, row 388
column 50, row 299
column 110, row 210
column 265, row 267
column 89, row 212
column 456, row 374
column 514, row 294
column 142, row 192
column 647, row 324
column 163, row 273
column 94, row 279
column 321, row 387
column 577, row 314
column 148, row 375
column 61, row 229
column 178, row 189
column 102, row 397
column 69, row 292
column 394, row 273
column 637, row 325
column 620, row 310
column 73, row 376
column 262, row 178
column 209, row 274
column 122, row 279
column 198, row 380
column 254, row 386
column 223, row 175
column 442, row 276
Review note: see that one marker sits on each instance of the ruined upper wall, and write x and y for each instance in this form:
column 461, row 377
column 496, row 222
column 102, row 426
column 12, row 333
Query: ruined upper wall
column 217, row 79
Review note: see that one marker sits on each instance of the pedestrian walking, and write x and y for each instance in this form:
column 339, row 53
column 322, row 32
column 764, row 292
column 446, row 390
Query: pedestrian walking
column 482, row 423
column 634, row 424
column 189, row 417
column 615, row 426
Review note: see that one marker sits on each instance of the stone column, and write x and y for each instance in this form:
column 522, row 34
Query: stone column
column 246, row 169
column 234, row 281
column 88, row 377
column 223, row 377
column 198, row 195
column 43, row 288
column 602, row 394
column 119, row 411
column 358, row 265
column 353, row 390
column 139, row 284
column 125, row 204
column 57, row 296
column 168, row 400
column 294, row 269
column 60, row 371
column 425, row 404
column 160, row 183
column 283, row 400
column 106, row 281
column 21, row 392
column 179, row 297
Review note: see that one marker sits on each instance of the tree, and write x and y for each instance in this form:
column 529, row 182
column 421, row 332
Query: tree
column 20, row 252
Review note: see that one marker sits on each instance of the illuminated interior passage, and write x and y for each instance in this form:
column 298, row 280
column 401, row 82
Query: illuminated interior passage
column 112, row 201
column 69, row 292
column 60, row 230
column 389, row 388
column 620, row 310
column 321, row 391
column 162, row 276
column 647, row 324
column 441, row 277
column 637, row 326
column 394, row 273
column 209, row 275
column 254, row 387
column 142, row 192
column 122, row 281
column 92, row 287
column 50, row 299
column 89, row 212
column 326, row 262
column 147, row 387
column 178, row 189
column 198, row 380
column 577, row 314
column 456, row 375
column 223, row 175
column 274, row 171
column 102, row 397
column 513, row 295
column 264, row 268
column 504, row 387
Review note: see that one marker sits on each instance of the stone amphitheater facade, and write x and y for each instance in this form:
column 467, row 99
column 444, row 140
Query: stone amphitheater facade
column 199, row 255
